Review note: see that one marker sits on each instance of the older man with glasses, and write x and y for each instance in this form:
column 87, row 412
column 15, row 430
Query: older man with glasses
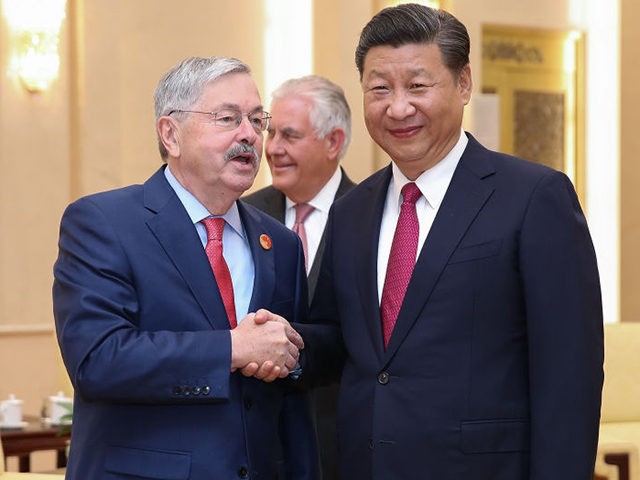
column 161, row 294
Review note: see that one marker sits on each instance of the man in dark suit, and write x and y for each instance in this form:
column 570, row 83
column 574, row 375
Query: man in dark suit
column 308, row 135
column 150, row 282
column 476, row 353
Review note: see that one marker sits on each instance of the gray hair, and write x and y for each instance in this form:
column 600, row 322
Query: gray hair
column 182, row 86
column 330, row 109
column 412, row 23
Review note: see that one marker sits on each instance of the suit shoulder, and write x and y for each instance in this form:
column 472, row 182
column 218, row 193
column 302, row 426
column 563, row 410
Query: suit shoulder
column 116, row 199
column 264, row 220
column 478, row 157
column 259, row 197
column 373, row 182
column 507, row 171
column 362, row 195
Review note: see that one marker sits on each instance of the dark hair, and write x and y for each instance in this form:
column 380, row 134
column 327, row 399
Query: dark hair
column 412, row 23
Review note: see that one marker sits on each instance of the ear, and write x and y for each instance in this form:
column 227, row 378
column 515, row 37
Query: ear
column 335, row 139
column 169, row 134
column 465, row 84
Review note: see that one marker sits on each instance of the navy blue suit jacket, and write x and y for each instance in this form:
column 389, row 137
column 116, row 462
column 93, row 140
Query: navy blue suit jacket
column 494, row 368
column 145, row 339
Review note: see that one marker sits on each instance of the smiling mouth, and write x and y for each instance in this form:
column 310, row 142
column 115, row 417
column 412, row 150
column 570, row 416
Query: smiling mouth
column 281, row 166
column 404, row 132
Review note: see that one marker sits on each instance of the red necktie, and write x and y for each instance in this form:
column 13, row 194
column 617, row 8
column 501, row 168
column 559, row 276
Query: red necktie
column 215, row 227
column 303, row 210
column 402, row 259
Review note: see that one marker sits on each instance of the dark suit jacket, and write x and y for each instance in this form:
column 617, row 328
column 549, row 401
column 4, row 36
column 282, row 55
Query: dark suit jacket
column 272, row 201
column 494, row 368
column 145, row 339
column 325, row 399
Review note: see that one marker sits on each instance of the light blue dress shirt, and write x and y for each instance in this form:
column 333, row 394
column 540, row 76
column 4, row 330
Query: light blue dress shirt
column 236, row 250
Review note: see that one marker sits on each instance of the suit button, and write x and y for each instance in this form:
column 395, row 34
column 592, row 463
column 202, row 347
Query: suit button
column 243, row 472
column 177, row 390
column 370, row 444
column 195, row 390
column 186, row 390
column 383, row 378
column 248, row 403
column 205, row 390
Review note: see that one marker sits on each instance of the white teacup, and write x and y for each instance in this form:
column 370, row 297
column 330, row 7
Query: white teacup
column 11, row 411
column 59, row 406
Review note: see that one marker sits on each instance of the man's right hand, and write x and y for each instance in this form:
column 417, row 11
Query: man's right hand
column 265, row 345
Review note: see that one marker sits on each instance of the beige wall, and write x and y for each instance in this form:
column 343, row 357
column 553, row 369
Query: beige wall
column 94, row 130
column 34, row 152
column 629, row 161
column 336, row 26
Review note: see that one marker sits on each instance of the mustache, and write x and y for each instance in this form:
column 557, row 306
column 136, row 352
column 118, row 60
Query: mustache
column 241, row 149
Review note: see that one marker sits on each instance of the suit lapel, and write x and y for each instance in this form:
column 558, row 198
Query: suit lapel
column 368, row 218
column 274, row 204
column 465, row 197
column 174, row 230
column 263, row 258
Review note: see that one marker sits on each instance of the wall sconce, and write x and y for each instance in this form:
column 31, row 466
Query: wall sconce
column 34, row 27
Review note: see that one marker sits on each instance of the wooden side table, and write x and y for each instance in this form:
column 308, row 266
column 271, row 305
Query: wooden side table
column 35, row 436
column 620, row 460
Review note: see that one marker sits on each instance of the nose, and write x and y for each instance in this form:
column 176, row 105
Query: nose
column 246, row 131
column 273, row 144
column 400, row 105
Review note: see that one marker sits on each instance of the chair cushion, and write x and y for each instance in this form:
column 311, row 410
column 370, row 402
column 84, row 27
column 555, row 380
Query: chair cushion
column 621, row 393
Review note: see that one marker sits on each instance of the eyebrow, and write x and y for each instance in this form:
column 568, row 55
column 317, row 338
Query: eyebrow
column 413, row 72
column 233, row 106
column 290, row 131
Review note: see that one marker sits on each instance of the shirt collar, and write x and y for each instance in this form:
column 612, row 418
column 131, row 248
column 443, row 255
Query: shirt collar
column 323, row 200
column 433, row 183
column 196, row 210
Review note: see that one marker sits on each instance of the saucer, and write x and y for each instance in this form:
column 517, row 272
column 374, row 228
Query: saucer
column 58, row 423
column 13, row 425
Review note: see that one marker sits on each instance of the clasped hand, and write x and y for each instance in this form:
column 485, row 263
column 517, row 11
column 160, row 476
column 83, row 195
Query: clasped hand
column 264, row 345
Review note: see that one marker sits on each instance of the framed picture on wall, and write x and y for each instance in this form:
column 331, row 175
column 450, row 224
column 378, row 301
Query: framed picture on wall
column 538, row 78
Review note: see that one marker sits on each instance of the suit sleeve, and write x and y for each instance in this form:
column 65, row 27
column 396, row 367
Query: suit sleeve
column 96, row 309
column 324, row 354
column 565, row 331
column 297, row 422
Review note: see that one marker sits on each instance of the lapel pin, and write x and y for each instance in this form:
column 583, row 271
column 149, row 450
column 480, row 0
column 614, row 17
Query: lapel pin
column 265, row 241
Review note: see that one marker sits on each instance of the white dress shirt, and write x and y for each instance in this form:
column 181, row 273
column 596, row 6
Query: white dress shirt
column 433, row 184
column 317, row 220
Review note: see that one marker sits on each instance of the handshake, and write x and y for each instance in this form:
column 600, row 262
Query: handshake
column 264, row 345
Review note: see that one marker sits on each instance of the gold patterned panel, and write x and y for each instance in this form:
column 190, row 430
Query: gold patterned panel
column 538, row 127
column 538, row 76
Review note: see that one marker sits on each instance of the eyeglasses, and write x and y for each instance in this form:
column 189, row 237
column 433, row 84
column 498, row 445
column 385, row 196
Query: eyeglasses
column 231, row 119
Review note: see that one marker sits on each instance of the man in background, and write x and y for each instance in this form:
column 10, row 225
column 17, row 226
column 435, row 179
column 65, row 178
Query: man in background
column 308, row 135
column 157, row 295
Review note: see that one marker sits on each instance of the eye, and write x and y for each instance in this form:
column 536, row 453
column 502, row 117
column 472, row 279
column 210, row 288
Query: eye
column 379, row 89
column 226, row 118
column 256, row 120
